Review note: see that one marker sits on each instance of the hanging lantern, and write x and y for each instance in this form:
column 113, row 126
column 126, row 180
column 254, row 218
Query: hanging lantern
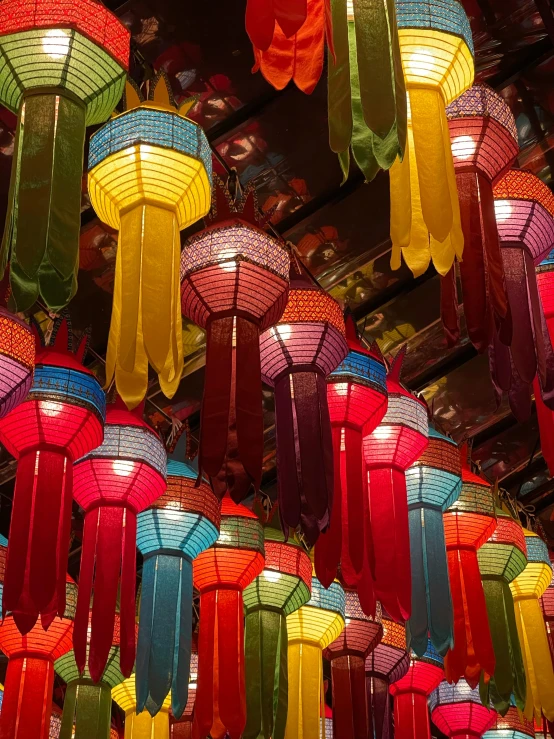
column 457, row 711
column 436, row 47
column 140, row 725
column 433, row 483
column 395, row 444
column 513, row 725
column 149, row 178
column 524, row 208
column 386, row 664
column 347, row 655
column 468, row 523
column 545, row 284
column 113, row 483
column 221, row 573
column 501, row 559
column 182, row 729
column 281, row 589
column 179, row 525
column 61, row 419
column 411, row 713
column 547, row 607
column 17, row 360
column 483, row 138
column 62, row 68
column 527, row 588
column 234, row 282
column 27, row 700
column 310, row 629
column 357, row 398
column 326, row 728
column 297, row 354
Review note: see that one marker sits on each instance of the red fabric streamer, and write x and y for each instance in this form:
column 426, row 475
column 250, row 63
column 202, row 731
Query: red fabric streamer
column 262, row 15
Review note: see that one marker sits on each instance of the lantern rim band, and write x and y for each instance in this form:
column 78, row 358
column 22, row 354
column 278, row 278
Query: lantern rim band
column 237, row 258
column 168, row 551
column 48, row 89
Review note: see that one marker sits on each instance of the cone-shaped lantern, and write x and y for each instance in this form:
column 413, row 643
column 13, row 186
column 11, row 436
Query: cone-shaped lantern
column 182, row 729
column 547, row 607
column 457, row 711
column 140, row 725
column 17, row 360
column 234, row 283
column 297, row 354
column 61, row 419
column 149, row 178
column 511, row 726
column 545, row 284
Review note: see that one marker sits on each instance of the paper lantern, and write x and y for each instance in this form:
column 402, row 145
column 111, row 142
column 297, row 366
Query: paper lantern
column 524, row 209
column 61, row 419
column 62, row 68
column 297, row 354
column 326, row 728
column 367, row 94
column 27, row 701
column 179, row 525
column 501, row 559
column 140, row 725
column 221, row 573
column 457, row 711
column 234, row 282
column 433, row 484
column 282, row 588
column 149, row 178
column 310, row 629
column 545, row 284
column 386, row 664
column 357, row 398
column 511, row 726
column 411, row 713
column 347, row 655
column 527, row 588
column 113, row 484
column 17, row 360
column 468, row 523
column 182, row 729
column 395, row 444
column 547, row 607
column 437, row 57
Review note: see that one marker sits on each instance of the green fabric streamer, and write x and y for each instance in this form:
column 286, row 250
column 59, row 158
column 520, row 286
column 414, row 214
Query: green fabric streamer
column 89, row 707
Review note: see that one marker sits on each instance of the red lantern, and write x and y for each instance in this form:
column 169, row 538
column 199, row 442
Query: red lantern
column 61, row 419
column 457, row 711
column 113, row 484
column 545, row 284
column 513, row 725
column 394, row 445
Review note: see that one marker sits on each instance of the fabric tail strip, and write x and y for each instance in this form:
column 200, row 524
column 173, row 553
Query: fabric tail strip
column 349, row 697
column 305, row 671
column 143, row 726
column 29, row 682
column 329, row 545
column 87, row 710
column 378, row 707
column 411, row 716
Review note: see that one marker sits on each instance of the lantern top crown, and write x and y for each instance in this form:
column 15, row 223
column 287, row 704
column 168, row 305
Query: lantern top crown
column 244, row 206
column 481, row 101
column 61, row 348
column 518, row 184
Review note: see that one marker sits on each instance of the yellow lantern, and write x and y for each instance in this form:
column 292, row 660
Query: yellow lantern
column 141, row 725
column 149, row 177
column 527, row 588
column 437, row 56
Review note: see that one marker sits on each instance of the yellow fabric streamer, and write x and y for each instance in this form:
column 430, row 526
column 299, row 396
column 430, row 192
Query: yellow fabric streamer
column 142, row 725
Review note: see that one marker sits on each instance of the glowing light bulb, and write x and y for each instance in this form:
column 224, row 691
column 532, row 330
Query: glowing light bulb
column 50, row 408
column 463, row 147
column 55, row 43
column 502, row 210
column 123, row 467
column 421, row 62
column 271, row 575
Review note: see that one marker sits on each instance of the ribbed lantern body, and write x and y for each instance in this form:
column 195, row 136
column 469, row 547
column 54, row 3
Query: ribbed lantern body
column 113, row 484
column 457, row 711
column 140, row 725
column 310, row 629
column 61, row 419
column 178, row 526
column 394, row 445
column 17, row 360
column 297, row 354
column 63, row 66
column 149, row 177
column 234, row 283
column 468, row 524
column 433, row 484
column 182, row 729
column 484, row 144
column 221, row 573
column 347, row 655
column 511, row 726
column 545, row 285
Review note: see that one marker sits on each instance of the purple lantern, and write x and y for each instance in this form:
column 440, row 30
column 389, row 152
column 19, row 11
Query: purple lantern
column 17, row 360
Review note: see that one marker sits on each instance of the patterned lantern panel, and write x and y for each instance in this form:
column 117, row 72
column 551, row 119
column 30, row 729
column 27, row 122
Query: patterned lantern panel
column 140, row 725
column 17, row 360
column 511, row 726
column 457, row 711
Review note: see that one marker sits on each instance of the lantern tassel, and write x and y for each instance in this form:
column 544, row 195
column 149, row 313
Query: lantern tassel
column 164, row 646
column 349, row 698
column 546, row 426
column 87, row 710
column 328, row 548
column 305, row 670
column 411, row 716
column 29, row 682
column 378, row 708
column 449, row 307
column 353, row 553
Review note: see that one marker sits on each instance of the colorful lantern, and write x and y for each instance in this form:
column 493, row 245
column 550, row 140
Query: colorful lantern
column 395, row 444
column 457, row 711
column 17, row 360
column 113, row 484
column 347, row 655
column 501, row 559
column 179, row 525
column 62, row 68
column 27, row 701
column 436, row 47
column 140, row 725
column 310, row 629
column 468, row 523
column 433, row 483
column 61, row 419
column 483, row 138
column 386, row 664
column 297, row 354
column 547, row 607
column 149, row 178
column 545, row 284
column 221, row 573
column 524, row 209
column 182, row 729
column 234, row 282
column 357, row 398
column 282, row 588
column 411, row 713
column 527, row 588
column 511, row 726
